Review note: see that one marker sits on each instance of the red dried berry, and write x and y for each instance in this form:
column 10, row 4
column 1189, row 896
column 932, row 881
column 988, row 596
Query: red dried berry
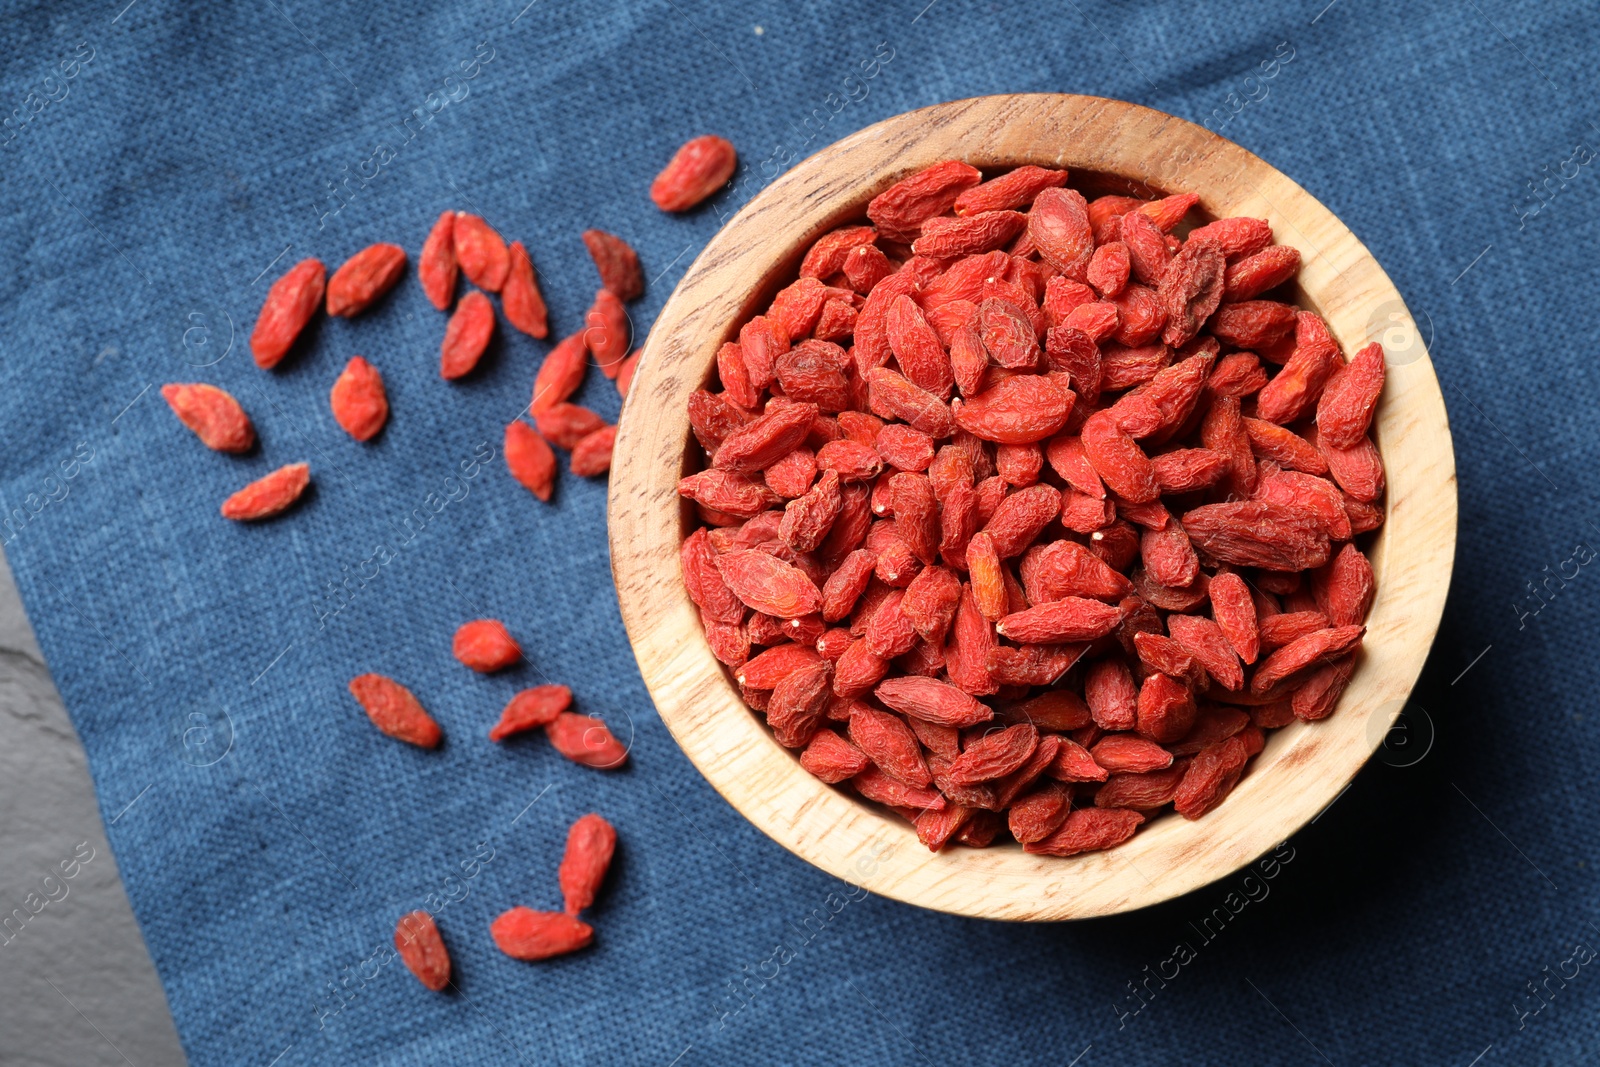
column 364, row 278
column 530, row 460
column 360, row 405
column 520, row 298
column 531, row 709
column 466, row 336
column 213, row 414
column 480, row 251
column 590, row 843
column 436, row 266
column 485, row 646
column 268, row 496
column 289, row 306
column 421, row 949
column 586, row 740
column 525, row 934
column 617, row 263
column 561, row 373
column 393, row 709
column 698, row 169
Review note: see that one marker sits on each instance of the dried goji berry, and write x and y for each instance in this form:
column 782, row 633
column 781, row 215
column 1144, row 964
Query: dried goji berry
column 586, row 740
column 899, row 211
column 1256, row 533
column 1058, row 225
column 1304, row 652
column 617, row 263
column 800, row 703
column 466, row 336
column 832, row 758
column 1358, row 469
column 393, row 709
column 268, row 496
column 1253, row 324
column 1237, row 236
column 1234, row 611
column 484, row 645
column 1210, row 776
column 436, row 266
column 889, row 743
column 359, row 404
column 421, row 949
column 564, row 424
column 1117, row 459
column 520, row 298
column 591, row 456
column 213, row 414
column 1344, row 412
column 984, row 232
column 525, row 934
column 365, row 277
column 480, row 251
column 1191, row 288
column 529, row 459
column 606, row 332
column 531, row 709
column 695, row 171
column 590, row 843
column 1018, row 410
column 769, row 585
column 561, row 373
column 1261, row 271
column 289, row 306
column 1088, row 830
column 1013, row 189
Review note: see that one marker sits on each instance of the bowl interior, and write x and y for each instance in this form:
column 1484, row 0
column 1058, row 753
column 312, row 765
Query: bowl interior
column 1108, row 147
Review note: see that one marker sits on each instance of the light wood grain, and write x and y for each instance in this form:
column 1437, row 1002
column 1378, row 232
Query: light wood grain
column 1108, row 145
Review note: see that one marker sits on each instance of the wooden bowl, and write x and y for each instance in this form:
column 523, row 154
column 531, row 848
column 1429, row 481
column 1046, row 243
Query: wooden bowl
column 1107, row 145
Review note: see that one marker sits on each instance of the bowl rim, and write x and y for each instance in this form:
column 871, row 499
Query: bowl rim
column 1304, row 767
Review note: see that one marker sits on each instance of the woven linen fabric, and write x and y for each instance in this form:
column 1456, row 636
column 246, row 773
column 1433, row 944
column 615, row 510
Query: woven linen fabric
column 164, row 162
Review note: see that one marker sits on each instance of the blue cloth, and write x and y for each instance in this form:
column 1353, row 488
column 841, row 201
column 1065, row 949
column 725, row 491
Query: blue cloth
column 163, row 163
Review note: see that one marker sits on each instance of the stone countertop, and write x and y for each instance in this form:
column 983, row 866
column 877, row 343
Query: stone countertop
column 77, row 988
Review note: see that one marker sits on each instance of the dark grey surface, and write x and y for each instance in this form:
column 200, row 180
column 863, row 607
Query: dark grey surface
column 77, row 988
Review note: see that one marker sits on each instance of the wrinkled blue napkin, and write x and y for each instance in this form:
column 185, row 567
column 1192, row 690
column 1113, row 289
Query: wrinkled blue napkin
column 164, row 163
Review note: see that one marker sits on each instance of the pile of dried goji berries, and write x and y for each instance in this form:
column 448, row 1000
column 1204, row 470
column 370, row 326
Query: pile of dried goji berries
column 1025, row 514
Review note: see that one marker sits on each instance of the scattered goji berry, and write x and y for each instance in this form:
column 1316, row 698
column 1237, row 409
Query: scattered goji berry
column 607, row 332
column 417, row 940
column 268, row 496
column 365, row 277
column 466, row 336
column 564, row 424
column 586, row 740
column 617, row 263
column 484, row 645
column 359, row 404
column 525, row 934
column 591, row 456
column 531, row 709
column 393, row 709
column 480, row 251
column 436, row 266
column 529, row 459
column 560, row 374
column 520, row 298
column 590, row 843
column 213, row 414
column 290, row 304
